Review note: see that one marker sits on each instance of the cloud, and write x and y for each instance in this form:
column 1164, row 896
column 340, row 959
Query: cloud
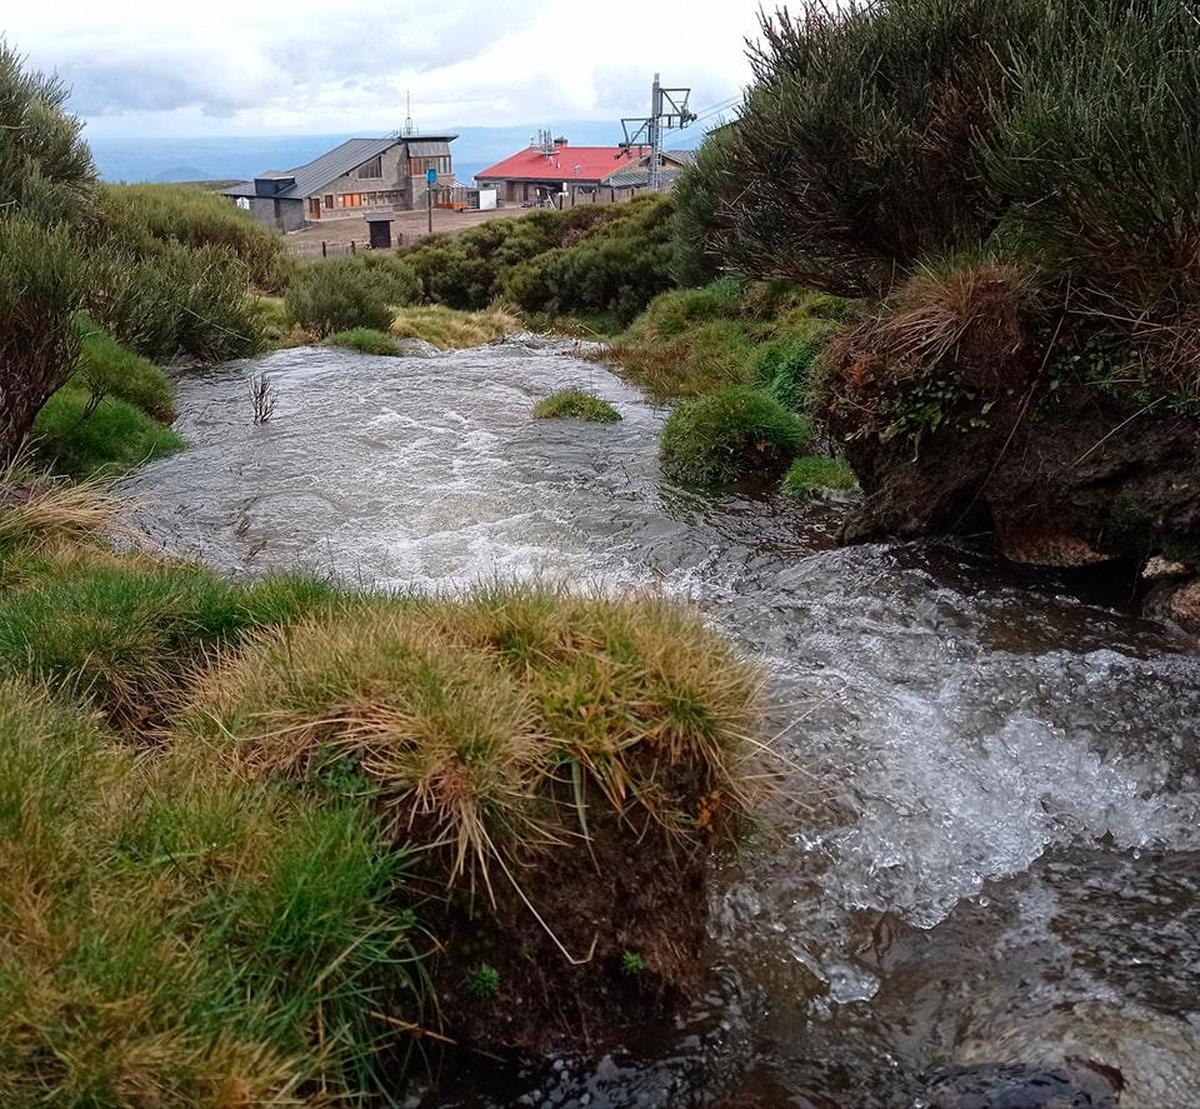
column 311, row 65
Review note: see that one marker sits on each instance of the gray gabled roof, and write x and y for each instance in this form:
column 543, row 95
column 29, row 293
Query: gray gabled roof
column 312, row 177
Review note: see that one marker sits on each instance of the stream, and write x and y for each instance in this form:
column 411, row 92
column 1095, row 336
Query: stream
column 986, row 847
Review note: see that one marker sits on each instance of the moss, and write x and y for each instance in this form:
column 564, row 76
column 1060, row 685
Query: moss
column 731, row 434
column 73, row 437
column 813, row 473
column 365, row 341
column 575, row 404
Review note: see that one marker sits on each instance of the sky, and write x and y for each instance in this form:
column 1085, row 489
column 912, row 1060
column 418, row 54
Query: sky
column 265, row 67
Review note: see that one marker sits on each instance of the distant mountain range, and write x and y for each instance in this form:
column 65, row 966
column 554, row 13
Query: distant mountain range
column 241, row 157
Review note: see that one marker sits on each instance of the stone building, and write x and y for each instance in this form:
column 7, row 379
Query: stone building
column 358, row 178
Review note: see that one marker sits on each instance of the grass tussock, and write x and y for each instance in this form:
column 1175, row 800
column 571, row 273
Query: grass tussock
column 481, row 725
column 575, row 404
column 448, row 329
column 735, row 433
column 365, row 340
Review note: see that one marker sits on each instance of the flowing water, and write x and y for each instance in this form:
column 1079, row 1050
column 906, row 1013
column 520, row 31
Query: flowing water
column 988, row 848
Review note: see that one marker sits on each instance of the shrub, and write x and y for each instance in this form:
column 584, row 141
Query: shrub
column 702, row 197
column 177, row 301
column 813, row 473
column 113, row 370
column 619, row 268
column 81, row 432
column 394, row 277
column 365, row 341
column 575, row 404
column 337, row 296
column 41, row 283
column 730, row 434
column 140, row 218
column 175, row 935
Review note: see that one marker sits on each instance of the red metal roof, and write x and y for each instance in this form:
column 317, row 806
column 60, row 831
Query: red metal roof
column 567, row 163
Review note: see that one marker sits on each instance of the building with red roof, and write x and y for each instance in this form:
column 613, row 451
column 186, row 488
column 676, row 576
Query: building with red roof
column 549, row 168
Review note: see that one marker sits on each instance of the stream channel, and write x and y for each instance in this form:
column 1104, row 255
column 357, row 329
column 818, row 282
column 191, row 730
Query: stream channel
column 987, row 848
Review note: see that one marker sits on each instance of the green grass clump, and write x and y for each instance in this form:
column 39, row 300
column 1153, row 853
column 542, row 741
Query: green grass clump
column 365, row 340
column 122, row 634
column 483, row 981
column 784, row 364
column 728, row 435
column 575, row 404
column 114, row 370
column 76, row 435
column 813, row 473
column 172, row 934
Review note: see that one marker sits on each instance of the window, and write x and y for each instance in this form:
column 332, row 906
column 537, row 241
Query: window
column 350, row 200
column 418, row 166
column 373, row 168
column 329, row 202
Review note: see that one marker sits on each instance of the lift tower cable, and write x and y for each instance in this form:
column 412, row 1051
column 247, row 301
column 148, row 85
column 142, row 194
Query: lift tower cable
column 668, row 110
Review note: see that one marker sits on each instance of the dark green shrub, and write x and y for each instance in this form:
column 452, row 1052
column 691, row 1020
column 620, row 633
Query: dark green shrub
column 178, row 301
column 575, row 404
column 365, row 341
column 702, row 196
column 142, row 217
column 735, row 433
column 337, row 296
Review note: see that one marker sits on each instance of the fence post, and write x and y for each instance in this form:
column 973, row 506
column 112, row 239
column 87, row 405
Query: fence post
column 351, row 246
column 324, row 251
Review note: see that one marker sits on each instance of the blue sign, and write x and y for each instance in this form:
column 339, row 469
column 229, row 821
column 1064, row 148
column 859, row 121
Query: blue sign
column 431, row 176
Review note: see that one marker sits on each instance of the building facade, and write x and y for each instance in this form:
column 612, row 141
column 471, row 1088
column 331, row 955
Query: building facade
column 547, row 171
column 358, row 178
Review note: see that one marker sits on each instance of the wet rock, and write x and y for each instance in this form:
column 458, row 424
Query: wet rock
column 1047, row 546
column 1158, row 568
column 1073, row 1085
column 416, row 348
column 1176, row 601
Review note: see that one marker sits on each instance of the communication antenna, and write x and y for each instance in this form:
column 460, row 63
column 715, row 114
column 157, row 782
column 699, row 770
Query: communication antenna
column 668, row 109
column 408, row 123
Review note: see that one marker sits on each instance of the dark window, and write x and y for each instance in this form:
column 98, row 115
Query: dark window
column 329, row 202
column 373, row 168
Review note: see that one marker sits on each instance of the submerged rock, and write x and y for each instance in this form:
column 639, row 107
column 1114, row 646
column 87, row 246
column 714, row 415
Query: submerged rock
column 1073, row 1085
column 416, row 348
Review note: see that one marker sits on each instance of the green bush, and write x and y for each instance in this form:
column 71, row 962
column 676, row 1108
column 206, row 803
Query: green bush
column 338, row 295
column 365, row 341
column 178, row 301
column 113, row 370
column 80, row 432
column 731, row 434
column 143, row 217
column 395, row 278
column 814, row 473
column 702, row 194
column 618, row 268
column 575, row 404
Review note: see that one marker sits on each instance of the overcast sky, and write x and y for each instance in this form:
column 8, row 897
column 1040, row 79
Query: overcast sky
column 258, row 67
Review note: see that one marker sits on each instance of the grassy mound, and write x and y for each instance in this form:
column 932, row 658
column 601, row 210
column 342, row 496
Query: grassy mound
column 170, row 936
column 728, row 435
column 813, row 474
column 122, row 634
column 365, row 340
column 110, row 368
column 79, row 433
column 448, row 329
column 575, row 404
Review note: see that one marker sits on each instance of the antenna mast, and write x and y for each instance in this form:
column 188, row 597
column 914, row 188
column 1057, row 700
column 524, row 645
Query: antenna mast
column 668, row 109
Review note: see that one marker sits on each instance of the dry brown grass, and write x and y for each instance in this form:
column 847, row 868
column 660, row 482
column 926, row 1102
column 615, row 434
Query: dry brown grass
column 39, row 510
column 449, row 329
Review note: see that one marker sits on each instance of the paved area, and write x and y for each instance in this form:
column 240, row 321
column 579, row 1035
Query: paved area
column 339, row 233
